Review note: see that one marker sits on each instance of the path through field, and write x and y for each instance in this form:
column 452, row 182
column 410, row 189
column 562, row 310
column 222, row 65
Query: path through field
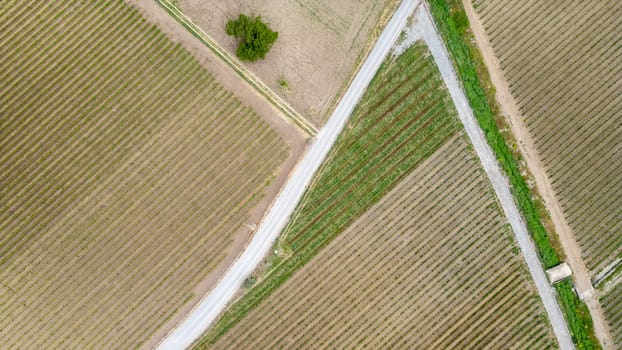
column 528, row 150
column 206, row 312
column 426, row 29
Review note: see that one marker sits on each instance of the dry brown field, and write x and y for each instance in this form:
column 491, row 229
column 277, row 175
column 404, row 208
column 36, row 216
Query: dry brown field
column 129, row 176
column 563, row 62
column 430, row 266
column 320, row 43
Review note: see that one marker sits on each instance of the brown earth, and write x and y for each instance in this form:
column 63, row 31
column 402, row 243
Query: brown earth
column 320, row 45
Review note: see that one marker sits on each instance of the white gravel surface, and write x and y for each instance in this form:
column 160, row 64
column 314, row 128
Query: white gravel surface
column 424, row 28
column 214, row 303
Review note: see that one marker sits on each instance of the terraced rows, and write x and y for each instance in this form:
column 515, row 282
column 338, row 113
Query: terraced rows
column 430, row 266
column 612, row 306
column 398, row 243
column 126, row 171
column 562, row 60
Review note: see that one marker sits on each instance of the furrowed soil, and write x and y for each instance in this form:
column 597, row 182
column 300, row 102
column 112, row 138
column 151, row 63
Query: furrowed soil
column 320, row 45
column 129, row 176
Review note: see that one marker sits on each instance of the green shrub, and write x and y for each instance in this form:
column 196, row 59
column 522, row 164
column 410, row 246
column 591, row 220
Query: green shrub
column 254, row 36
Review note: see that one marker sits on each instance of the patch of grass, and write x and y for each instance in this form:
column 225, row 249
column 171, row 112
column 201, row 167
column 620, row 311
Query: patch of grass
column 283, row 84
column 450, row 17
column 403, row 118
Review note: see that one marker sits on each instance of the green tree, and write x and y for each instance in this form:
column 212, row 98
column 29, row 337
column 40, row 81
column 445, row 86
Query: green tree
column 254, row 36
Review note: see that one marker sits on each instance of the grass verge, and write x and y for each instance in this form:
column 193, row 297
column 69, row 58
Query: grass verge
column 452, row 23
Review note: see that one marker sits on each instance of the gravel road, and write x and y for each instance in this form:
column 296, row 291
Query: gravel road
column 215, row 302
column 427, row 31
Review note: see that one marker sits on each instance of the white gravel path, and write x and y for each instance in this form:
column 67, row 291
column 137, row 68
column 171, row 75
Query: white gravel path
column 214, row 303
column 424, row 28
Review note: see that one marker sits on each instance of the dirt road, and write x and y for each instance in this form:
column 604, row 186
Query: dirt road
column 510, row 110
column 500, row 184
column 215, row 302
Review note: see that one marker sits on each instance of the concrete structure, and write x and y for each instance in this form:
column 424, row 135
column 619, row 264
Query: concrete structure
column 558, row 273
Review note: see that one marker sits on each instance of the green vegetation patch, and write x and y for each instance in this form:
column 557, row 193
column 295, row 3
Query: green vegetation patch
column 402, row 119
column 255, row 37
column 450, row 21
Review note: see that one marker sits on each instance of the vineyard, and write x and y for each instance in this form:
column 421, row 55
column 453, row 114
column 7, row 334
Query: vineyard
column 612, row 306
column 127, row 175
column 427, row 268
column 398, row 243
column 562, row 61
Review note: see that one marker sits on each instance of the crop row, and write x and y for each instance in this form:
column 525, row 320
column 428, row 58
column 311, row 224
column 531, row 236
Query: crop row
column 117, row 152
column 612, row 307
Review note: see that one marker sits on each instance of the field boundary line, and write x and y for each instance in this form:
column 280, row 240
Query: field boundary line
column 429, row 33
column 298, row 120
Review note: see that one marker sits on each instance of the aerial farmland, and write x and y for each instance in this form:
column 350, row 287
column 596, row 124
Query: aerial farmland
column 130, row 177
column 418, row 253
column 310, row 174
column 321, row 43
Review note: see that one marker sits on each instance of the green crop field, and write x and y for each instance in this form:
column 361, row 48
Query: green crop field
column 398, row 242
column 126, row 175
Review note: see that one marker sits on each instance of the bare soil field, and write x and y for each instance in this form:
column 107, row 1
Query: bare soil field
column 319, row 47
column 129, row 176
column 562, row 62
column 430, row 266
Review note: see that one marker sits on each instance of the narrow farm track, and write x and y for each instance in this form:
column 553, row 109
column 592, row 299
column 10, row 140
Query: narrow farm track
column 127, row 172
